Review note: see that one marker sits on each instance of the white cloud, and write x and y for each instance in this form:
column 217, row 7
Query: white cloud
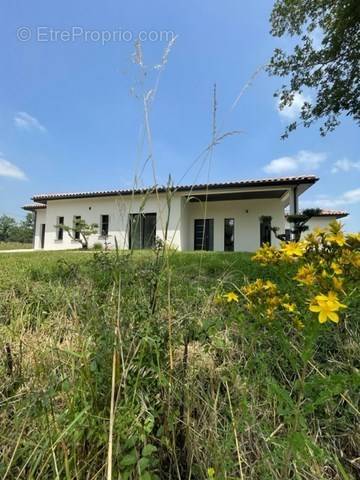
column 27, row 122
column 8, row 169
column 350, row 197
column 304, row 161
column 345, row 165
column 293, row 111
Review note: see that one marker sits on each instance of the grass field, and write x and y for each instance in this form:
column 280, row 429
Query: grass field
column 14, row 245
column 137, row 367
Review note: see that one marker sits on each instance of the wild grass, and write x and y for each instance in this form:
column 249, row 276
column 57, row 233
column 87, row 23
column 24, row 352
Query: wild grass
column 118, row 365
column 14, row 245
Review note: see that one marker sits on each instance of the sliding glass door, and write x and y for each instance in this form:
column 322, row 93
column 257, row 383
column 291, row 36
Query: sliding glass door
column 204, row 234
column 142, row 230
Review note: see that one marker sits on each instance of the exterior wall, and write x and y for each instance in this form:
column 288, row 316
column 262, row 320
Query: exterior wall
column 247, row 224
column 180, row 220
column 319, row 222
column 118, row 209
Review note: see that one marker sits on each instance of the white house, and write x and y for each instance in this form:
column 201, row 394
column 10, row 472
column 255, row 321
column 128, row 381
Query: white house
column 234, row 216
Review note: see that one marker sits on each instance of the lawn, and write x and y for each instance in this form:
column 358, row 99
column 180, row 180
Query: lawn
column 14, row 245
column 138, row 367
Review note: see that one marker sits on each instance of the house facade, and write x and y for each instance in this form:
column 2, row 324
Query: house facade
column 234, row 216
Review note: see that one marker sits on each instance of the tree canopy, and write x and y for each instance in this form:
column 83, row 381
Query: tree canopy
column 329, row 66
column 12, row 231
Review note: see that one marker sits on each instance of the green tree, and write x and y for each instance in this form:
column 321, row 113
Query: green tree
column 331, row 69
column 80, row 231
column 24, row 230
column 7, row 227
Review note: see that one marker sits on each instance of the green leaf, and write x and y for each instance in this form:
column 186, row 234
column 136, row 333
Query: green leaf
column 148, row 450
column 129, row 459
column 143, row 463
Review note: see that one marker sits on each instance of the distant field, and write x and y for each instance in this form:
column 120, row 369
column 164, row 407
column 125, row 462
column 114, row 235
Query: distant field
column 14, row 245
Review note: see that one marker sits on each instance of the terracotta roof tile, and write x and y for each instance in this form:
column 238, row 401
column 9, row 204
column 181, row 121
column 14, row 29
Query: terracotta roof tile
column 309, row 179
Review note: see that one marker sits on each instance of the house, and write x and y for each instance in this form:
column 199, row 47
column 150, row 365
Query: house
column 233, row 216
column 324, row 217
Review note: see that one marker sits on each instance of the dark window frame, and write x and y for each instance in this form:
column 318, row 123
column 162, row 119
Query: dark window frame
column 229, row 245
column 104, row 232
column 76, row 219
column 204, row 234
column 265, row 230
column 60, row 231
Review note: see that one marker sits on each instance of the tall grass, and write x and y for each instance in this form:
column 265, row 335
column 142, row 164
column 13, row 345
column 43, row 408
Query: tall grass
column 101, row 381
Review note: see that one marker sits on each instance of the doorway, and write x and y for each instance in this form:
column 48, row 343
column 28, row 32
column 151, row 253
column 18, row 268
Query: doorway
column 265, row 230
column 204, row 234
column 142, row 230
column 42, row 235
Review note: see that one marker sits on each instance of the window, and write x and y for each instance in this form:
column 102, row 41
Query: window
column 142, row 230
column 59, row 230
column 104, row 225
column 204, row 234
column 77, row 220
column 229, row 227
column 265, row 230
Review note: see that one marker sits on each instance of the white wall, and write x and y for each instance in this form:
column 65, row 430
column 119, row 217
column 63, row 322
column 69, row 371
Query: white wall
column 247, row 224
column 180, row 225
column 118, row 209
column 319, row 222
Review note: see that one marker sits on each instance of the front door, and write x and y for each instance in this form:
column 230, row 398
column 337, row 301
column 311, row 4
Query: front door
column 265, row 230
column 204, row 234
column 42, row 235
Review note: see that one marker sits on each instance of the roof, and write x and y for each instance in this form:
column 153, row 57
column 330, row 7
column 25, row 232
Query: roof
column 33, row 206
column 267, row 182
column 332, row 213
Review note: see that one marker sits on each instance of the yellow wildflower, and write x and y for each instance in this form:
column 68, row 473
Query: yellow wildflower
column 293, row 249
column 298, row 324
column 306, row 275
column 336, row 268
column 338, row 283
column 290, row 307
column 337, row 238
column 231, row 297
column 326, row 306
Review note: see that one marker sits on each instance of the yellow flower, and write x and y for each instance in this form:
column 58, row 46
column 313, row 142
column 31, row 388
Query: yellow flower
column 336, row 268
column 290, row 307
column 218, row 299
column 337, row 238
column 326, row 306
column 231, row 297
column 270, row 312
column 338, row 283
column 211, row 473
column 293, row 249
column 298, row 324
column 306, row 275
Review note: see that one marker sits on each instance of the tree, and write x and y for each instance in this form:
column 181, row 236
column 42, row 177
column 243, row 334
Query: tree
column 80, row 231
column 298, row 222
column 7, row 226
column 332, row 68
column 24, row 231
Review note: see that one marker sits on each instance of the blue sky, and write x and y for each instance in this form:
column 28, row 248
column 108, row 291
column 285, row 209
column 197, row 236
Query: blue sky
column 69, row 120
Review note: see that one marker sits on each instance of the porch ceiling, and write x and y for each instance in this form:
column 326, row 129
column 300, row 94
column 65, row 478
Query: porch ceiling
column 218, row 197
